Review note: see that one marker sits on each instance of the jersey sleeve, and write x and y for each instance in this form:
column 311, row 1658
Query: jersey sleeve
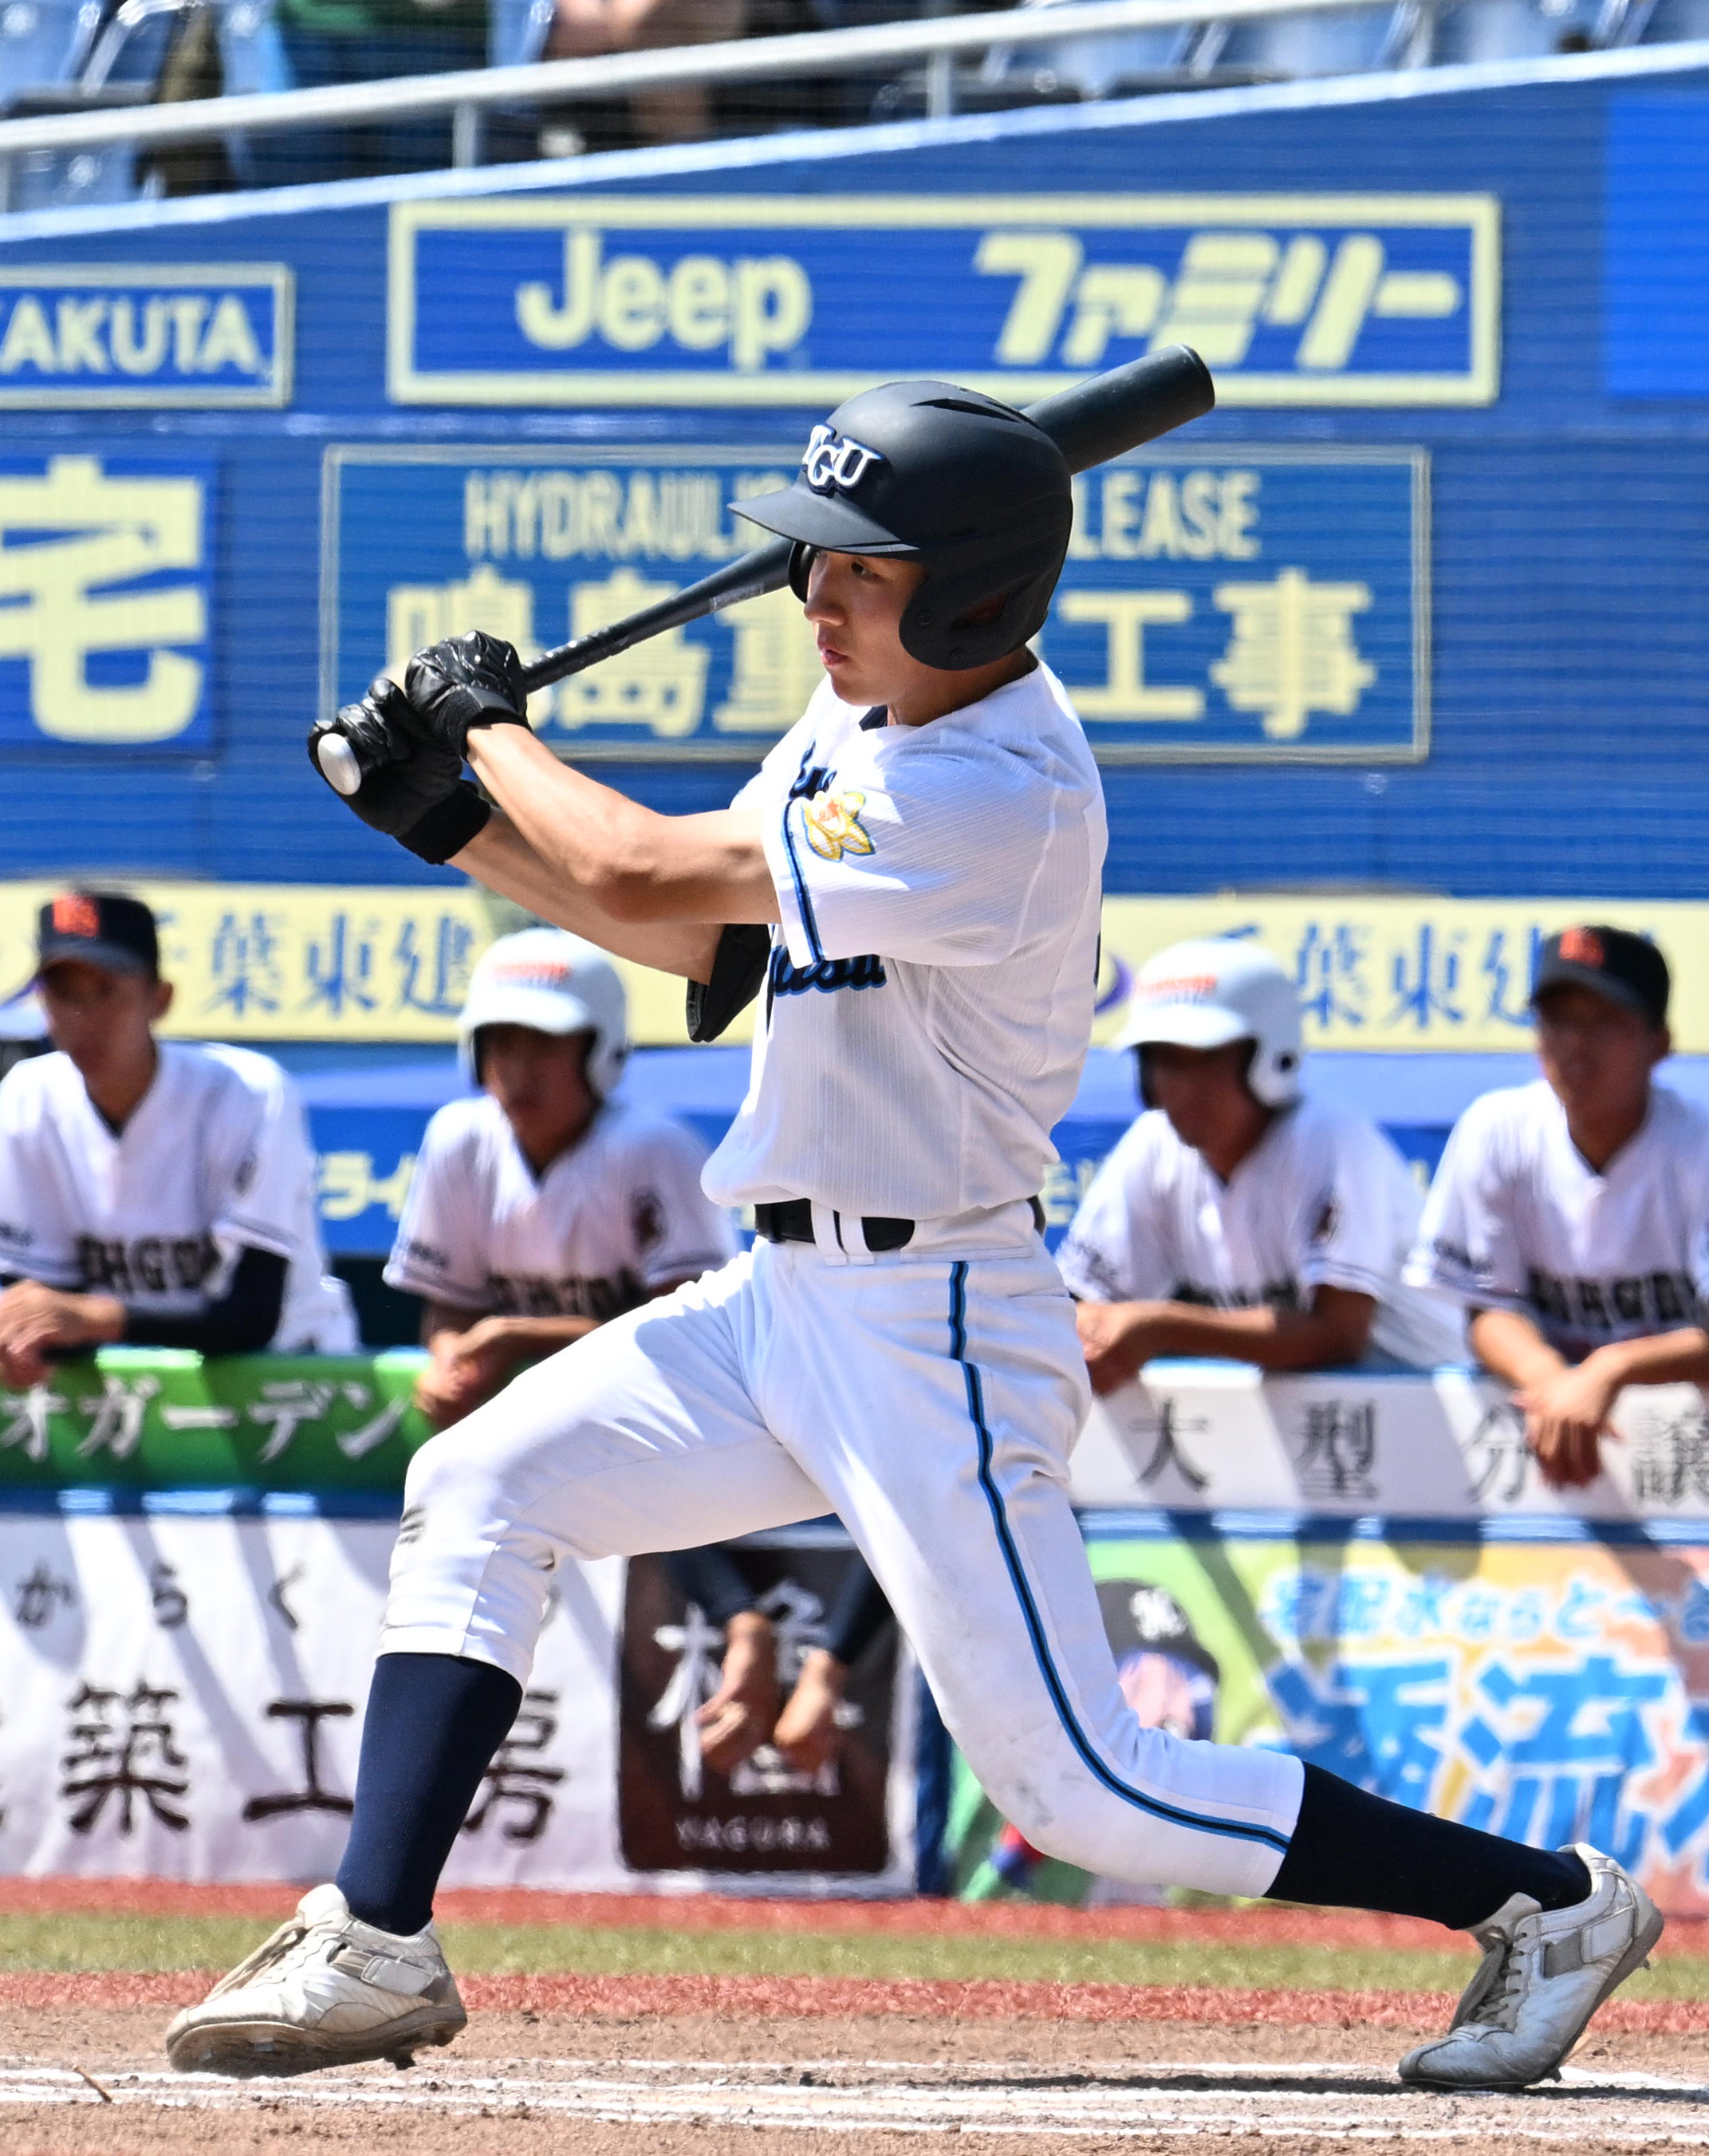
column 678, row 1233
column 37, row 1238
column 260, row 1163
column 1356, row 1227
column 925, row 853
column 1115, row 1250
column 1466, row 1244
column 439, row 1252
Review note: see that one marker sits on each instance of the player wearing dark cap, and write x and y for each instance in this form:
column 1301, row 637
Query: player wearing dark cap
column 150, row 1192
column 1568, row 1216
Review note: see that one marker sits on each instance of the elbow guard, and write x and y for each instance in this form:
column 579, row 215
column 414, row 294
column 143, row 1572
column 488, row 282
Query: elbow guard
column 737, row 969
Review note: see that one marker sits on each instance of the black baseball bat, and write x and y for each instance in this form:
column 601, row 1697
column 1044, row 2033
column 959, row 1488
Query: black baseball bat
column 1090, row 423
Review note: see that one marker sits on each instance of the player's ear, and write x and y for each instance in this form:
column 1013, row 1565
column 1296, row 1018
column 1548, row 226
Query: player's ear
column 161, row 1002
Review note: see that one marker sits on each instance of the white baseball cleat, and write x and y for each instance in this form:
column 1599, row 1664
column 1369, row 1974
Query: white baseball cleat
column 326, row 1991
column 1542, row 1976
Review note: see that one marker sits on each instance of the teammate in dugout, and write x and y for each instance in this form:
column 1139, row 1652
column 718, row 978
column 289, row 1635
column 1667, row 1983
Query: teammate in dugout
column 1571, row 1216
column 914, row 875
column 541, row 1207
column 150, row 1192
column 1236, row 1217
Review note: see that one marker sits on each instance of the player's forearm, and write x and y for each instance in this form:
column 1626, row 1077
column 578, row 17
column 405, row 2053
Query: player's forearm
column 1510, row 1347
column 1660, row 1359
column 1273, row 1339
column 501, row 858
column 636, row 866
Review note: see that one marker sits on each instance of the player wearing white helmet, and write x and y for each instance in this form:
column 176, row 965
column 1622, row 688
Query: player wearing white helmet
column 1571, row 1216
column 541, row 1207
column 150, row 1192
column 914, row 872
column 1236, row 1217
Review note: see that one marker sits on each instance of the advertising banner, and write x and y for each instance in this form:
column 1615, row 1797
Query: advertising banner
column 83, row 335
column 183, row 1697
column 1548, row 1691
column 106, row 571
column 724, row 299
column 1253, row 606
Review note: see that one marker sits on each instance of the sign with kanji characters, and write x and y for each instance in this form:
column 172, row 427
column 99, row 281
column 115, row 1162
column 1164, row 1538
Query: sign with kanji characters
column 106, row 566
column 1551, row 1691
column 662, row 299
column 1253, row 606
column 183, row 1689
column 1258, row 606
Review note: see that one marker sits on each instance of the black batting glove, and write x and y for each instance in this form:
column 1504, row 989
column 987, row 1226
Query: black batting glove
column 470, row 680
column 412, row 789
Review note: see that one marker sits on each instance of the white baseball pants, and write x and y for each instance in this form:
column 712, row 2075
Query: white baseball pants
column 931, row 1403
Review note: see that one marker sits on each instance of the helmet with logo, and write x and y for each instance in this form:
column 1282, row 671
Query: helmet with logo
column 1206, row 994
column 554, row 982
column 947, row 477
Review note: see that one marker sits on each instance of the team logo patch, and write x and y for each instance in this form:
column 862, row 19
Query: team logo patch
column 1582, row 947
column 833, row 461
column 834, row 825
column 75, row 915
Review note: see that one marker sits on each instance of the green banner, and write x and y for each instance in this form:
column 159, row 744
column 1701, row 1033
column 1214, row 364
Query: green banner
column 163, row 1417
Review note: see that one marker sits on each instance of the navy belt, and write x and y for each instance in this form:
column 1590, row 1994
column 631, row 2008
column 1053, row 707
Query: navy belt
column 792, row 1222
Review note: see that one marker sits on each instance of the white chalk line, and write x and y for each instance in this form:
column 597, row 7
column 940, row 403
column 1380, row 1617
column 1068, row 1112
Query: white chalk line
column 1185, row 2101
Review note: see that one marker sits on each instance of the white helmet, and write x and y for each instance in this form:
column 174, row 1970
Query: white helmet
column 1205, row 995
column 553, row 982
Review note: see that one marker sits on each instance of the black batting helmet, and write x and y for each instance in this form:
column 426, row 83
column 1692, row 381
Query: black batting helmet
column 943, row 476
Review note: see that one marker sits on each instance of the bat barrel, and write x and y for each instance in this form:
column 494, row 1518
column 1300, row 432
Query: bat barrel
column 1098, row 420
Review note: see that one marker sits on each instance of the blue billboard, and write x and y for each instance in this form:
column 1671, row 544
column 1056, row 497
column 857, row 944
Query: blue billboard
column 1260, row 604
column 720, row 300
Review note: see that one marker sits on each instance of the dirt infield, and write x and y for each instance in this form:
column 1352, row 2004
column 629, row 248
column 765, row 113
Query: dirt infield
column 74, row 2083
column 680, row 2055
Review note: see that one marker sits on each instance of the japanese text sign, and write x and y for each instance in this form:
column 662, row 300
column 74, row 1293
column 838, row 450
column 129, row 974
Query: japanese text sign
column 1302, row 300
column 106, row 570
column 1254, row 605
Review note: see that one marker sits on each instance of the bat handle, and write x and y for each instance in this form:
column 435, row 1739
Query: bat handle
column 341, row 766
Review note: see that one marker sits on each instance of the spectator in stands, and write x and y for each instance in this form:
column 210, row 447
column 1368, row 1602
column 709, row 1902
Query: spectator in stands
column 1569, row 1217
column 541, row 1207
column 150, row 1192
column 1235, row 1218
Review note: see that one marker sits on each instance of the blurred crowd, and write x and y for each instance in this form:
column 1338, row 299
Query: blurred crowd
column 65, row 55
column 160, row 1193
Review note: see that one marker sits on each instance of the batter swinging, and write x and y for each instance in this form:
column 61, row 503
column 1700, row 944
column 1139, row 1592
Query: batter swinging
column 915, row 873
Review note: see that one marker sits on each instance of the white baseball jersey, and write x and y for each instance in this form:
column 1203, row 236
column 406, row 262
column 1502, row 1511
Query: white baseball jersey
column 617, row 1217
column 1323, row 1200
column 1518, row 1220
column 216, row 1157
column 926, row 1014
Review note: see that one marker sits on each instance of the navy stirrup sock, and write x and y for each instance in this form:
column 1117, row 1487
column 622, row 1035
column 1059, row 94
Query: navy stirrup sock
column 433, row 1722
column 1353, row 1851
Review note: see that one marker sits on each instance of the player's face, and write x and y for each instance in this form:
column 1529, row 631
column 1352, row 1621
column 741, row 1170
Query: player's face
column 1596, row 1054
column 856, row 602
column 1203, row 1093
column 540, row 1080
column 102, row 1021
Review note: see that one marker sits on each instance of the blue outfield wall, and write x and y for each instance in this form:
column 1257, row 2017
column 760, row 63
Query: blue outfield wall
column 1420, row 606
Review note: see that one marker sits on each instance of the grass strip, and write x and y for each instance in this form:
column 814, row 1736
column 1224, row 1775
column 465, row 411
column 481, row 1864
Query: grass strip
column 141, row 1943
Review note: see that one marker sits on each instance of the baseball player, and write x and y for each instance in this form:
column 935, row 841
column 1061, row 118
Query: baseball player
column 1571, row 1216
column 1236, row 1217
column 540, row 1207
column 150, row 1192
column 913, row 875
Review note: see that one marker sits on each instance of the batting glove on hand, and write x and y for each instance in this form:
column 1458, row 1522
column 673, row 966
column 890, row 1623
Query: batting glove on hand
column 412, row 789
column 472, row 680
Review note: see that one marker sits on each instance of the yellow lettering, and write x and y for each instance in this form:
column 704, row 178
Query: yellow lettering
column 1047, row 264
column 230, row 341
column 772, row 309
column 1124, row 618
column 700, row 302
column 555, row 328
column 28, row 341
column 1239, row 515
column 1120, row 506
column 1161, row 532
column 134, row 358
column 1198, row 515
column 632, row 304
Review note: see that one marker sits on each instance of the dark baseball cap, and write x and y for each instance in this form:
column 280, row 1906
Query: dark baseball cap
column 101, row 928
column 1612, row 962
